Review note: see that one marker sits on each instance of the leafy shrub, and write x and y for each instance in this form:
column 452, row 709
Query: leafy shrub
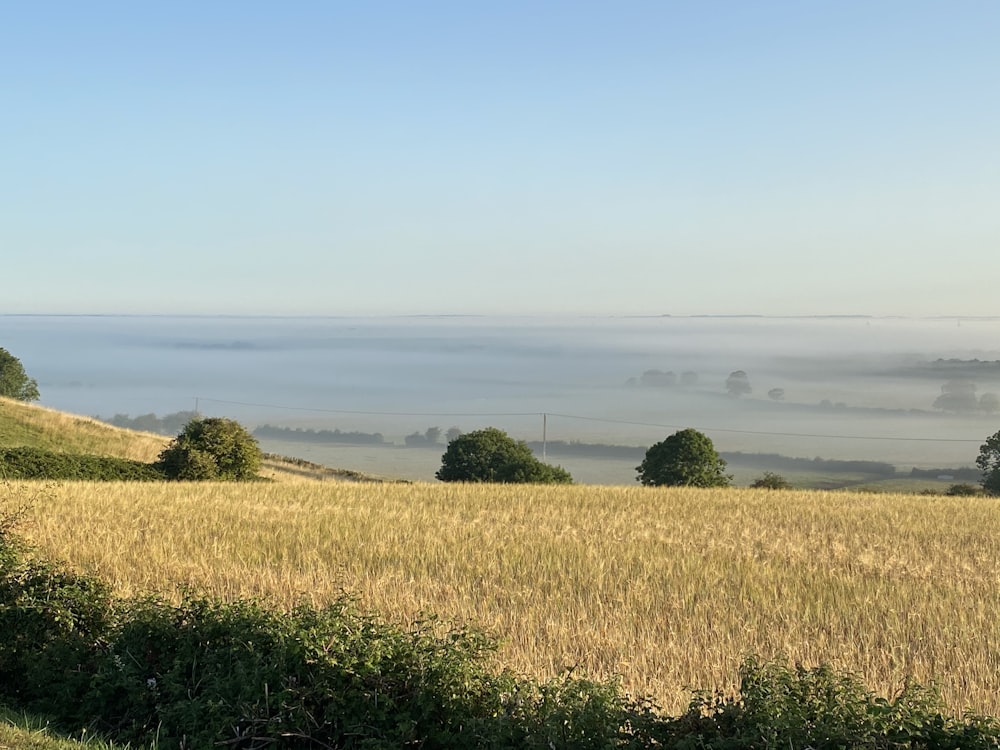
column 14, row 381
column 50, row 619
column 819, row 708
column 685, row 459
column 962, row 490
column 771, row 481
column 491, row 455
column 211, row 449
column 25, row 462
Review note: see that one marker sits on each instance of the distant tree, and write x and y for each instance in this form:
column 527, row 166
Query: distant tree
column 776, row 394
column 989, row 403
column 14, row 381
column 957, row 396
column 988, row 462
column 685, row 459
column 452, row 433
column 738, row 384
column 211, row 449
column 962, row 490
column 771, row 481
column 491, row 455
column 657, row 379
column 689, row 378
column 425, row 440
column 415, row 440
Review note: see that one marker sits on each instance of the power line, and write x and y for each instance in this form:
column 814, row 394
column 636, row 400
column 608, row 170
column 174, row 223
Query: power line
column 377, row 413
column 604, row 420
column 775, row 434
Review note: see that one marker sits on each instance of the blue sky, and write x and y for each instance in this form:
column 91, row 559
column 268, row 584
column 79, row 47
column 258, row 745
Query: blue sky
column 355, row 158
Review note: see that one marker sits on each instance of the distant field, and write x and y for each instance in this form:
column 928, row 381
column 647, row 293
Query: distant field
column 668, row 588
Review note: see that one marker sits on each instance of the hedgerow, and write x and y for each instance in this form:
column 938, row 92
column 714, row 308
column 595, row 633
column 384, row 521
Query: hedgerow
column 25, row 462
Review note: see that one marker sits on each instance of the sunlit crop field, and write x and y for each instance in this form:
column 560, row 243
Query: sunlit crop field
column 667, row 588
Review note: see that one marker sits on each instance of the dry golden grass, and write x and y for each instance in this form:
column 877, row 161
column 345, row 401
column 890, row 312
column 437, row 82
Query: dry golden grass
column 39, row 427
column 668, row 588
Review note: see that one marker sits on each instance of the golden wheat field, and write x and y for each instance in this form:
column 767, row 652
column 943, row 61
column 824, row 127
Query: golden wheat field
column 668, row 588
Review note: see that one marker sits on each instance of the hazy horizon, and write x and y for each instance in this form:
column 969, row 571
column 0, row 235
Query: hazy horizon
column 851, row 388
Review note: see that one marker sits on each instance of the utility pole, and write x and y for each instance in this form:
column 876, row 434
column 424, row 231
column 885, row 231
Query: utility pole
column 545, row 430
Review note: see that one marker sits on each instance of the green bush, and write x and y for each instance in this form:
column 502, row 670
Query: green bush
column 963, row 490
column 24, row 462
column 771, row 481
column 491, row 455
column 51, row 620
column 211, row 449
column 685, row 459
column 819, row 708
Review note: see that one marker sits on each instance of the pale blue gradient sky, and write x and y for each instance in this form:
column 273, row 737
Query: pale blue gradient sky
column 500, row 157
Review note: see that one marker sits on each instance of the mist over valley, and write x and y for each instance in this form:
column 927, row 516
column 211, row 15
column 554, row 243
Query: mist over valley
column 910, row 392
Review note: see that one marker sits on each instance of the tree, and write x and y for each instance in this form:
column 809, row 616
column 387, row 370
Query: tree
column 14, row 381
column 738, row 383
column 491, row 455
column 657, row 379
column 989, row 403
column 989, row 462
column 685, row 459
column 776, row 394
column 771, row 481
column 211, row 449
column 962, row 490
column 957, row 396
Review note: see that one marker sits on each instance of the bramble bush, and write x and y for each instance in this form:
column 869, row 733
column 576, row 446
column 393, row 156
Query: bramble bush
column 24, row 462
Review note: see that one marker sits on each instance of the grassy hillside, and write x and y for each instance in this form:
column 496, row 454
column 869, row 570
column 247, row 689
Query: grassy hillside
column 39, row 427
column 668, row 588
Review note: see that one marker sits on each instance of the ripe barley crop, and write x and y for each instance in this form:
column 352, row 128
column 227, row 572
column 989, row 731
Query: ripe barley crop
column 667, row 588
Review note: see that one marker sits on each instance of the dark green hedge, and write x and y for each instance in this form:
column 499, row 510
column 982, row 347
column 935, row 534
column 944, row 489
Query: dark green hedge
column 24, row 462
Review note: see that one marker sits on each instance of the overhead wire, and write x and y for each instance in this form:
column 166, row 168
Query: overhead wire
column 605, row 420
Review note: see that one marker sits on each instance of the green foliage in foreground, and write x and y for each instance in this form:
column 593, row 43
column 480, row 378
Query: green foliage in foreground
column 25, row 462
column 206, row 673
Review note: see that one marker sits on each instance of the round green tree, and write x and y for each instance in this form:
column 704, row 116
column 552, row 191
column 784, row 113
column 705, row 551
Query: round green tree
column 491, row 455
column 211, row 449
column 989, row 462
column 14, row 381
column 771, row 481
column 685, row 459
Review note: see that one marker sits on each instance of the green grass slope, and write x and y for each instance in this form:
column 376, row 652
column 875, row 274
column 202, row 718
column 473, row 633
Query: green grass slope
column 34, row 426
column 25, row 732
column 39, row 427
